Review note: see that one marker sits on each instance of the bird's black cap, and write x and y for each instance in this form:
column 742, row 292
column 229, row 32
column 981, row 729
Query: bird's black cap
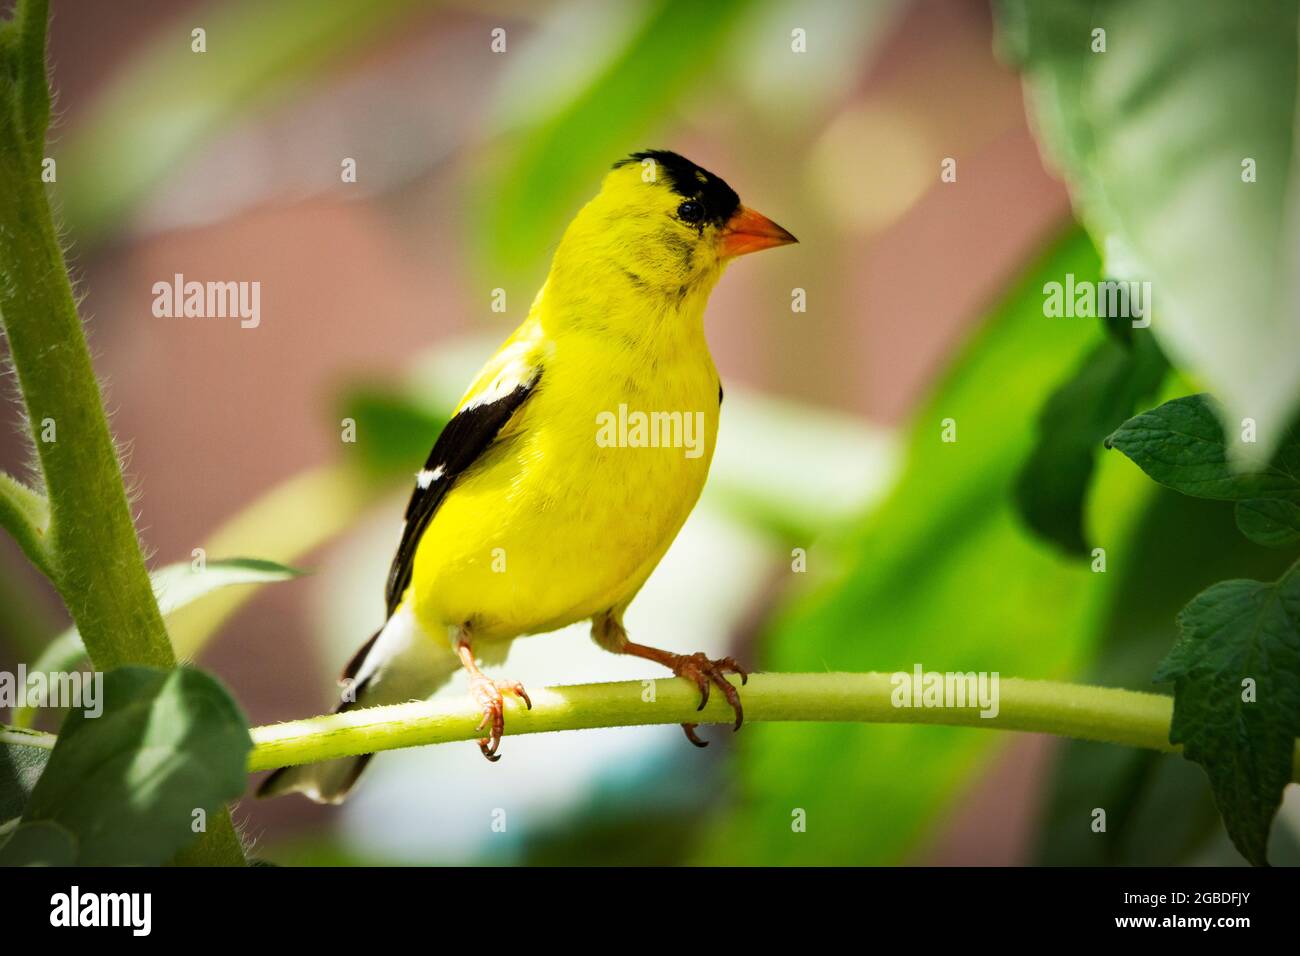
column 691, row 182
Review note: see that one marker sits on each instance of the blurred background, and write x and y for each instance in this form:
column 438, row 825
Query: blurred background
column 472, row 150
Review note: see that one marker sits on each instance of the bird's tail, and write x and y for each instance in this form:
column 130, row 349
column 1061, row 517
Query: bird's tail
column 400, row 662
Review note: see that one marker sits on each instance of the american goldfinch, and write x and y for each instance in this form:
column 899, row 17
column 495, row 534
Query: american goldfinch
column 571, row 462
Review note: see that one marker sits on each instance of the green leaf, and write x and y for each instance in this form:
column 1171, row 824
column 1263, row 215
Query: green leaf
column 128, row 783
column 21, row 765
column 39, row 844
column 180, row 584
column 1158, row 810
column 941, row 573
column 528, row 199
column 1236, row 674
column 1151, row 136
column 1181, row 445
column 175, row 586
column 1097, row 397
column 1272, row 522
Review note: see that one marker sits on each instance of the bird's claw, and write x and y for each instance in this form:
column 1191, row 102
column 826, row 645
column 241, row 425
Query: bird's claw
column 488, row 694
column 692, row 736
column 706, row 673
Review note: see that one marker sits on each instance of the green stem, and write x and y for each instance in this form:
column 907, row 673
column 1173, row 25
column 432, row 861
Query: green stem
column 1126, row 717
column 98, row 568
column 19, row 737
column 1104, row 714
column 25, row 514
column 93, row 550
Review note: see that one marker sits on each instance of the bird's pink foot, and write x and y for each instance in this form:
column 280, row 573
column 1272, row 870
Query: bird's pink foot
column 487, row 693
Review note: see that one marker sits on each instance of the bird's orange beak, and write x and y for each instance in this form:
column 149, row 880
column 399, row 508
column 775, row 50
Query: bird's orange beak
column 748, row 231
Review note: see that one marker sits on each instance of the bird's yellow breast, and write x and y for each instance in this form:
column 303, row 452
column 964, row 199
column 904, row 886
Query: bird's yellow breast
column 571, row 509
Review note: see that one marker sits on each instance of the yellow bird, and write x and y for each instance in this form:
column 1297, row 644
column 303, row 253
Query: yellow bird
column 572, row 460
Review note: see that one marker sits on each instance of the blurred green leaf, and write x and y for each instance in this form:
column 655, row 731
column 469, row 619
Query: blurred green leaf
column 175, row 586
column 528, row 199
column 1159, row 812
column 1272, row 522
column 1091, row 403
column 1152, row 135
column 39, row 844
column 394, row 430
column 169, row 100
column 941, row 574
column 127, row 784
column 1237, row 633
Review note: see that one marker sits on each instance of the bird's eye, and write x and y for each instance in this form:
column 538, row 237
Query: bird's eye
column 690, row 211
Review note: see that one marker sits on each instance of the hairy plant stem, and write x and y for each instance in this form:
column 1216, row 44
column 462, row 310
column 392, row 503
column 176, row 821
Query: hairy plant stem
column 1126, row 717
column 91, row 551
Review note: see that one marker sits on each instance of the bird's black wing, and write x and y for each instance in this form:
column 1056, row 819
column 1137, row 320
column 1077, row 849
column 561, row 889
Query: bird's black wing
column 465, row 438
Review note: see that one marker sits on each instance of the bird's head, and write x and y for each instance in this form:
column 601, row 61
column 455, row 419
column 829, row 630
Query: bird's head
column 667, row 226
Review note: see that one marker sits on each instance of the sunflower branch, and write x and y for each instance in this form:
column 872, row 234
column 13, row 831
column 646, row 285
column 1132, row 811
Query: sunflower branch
column 1125, row 717
column 1084, row 712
